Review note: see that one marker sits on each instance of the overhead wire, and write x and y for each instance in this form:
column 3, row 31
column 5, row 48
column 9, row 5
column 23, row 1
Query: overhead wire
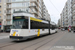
column 53, row 5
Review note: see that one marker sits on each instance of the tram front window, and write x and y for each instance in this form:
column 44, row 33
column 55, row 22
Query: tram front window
column 20, row 24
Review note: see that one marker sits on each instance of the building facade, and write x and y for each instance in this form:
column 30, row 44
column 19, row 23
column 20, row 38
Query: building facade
column 35, row 7
column 45, row 13
column 59, row 23
column 67, row 14
column 73, row 13
column 2, row 13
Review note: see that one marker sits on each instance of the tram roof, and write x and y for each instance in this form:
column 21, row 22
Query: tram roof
column 52, row 23
column 23, row 14
column 29, row 15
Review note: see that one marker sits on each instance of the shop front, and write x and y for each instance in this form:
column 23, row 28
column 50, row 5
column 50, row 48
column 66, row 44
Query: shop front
column 7, row 28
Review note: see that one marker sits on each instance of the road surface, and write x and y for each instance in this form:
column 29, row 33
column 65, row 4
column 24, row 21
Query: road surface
column 63, row 40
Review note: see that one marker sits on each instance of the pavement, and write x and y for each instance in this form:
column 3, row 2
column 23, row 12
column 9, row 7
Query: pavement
column 4, row 35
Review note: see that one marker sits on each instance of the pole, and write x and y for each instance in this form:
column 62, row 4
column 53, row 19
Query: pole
column 49, row 27
column 29, row 23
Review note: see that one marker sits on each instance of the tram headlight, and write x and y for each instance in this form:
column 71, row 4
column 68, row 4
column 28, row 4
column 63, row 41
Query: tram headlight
column 11, row 34
column 17, row 34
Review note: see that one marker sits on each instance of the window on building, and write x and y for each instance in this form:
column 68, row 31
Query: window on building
column 25, row 10
column 20, row 4
column 4, row 22
column 8, row 22
column 19, row 0
column 8, row 17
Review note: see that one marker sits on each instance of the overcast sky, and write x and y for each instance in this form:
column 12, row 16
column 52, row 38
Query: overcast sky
column 54, row 8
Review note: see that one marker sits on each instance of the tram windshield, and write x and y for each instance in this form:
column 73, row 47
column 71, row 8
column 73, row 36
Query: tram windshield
column 20, row 24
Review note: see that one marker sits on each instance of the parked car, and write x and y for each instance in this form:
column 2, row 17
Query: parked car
column 63, row 29
column 8, row 30
column 59, row 28
column 74, row 30
column 1, row 30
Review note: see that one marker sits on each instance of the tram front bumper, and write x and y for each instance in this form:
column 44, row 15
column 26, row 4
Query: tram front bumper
column 15, row 37
column 18, row 38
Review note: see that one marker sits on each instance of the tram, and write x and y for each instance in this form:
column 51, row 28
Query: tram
column 27, row 26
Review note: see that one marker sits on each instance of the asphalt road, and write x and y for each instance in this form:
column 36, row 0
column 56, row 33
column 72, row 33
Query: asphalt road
column 58, row 41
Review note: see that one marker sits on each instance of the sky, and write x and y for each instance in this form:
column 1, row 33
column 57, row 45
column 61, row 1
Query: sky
column 55, row 8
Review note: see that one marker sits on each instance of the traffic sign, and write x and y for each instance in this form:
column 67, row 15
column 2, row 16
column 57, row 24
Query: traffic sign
column 69, row 26
column 0, row 25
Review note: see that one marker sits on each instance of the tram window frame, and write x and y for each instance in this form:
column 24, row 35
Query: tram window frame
column 25, row 24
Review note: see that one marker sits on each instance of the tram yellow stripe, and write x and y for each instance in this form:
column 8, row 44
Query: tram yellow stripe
column 34, row 19
column 38, row 32
column 14, row 33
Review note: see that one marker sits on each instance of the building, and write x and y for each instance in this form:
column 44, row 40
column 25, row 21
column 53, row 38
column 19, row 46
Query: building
column 45, row 14
column 65, row 17
column 73, row 13
column 59, row 23
column 62, row 20
column 2, row 13
column 67, row 14
column 69, row 9
column 35, row 7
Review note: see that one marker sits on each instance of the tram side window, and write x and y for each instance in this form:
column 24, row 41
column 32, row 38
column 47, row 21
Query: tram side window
column 53, row 27
column 25, row 24
column 39, row 25
column 50, row 26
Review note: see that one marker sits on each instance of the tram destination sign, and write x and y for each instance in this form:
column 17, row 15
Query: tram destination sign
column 18, row 17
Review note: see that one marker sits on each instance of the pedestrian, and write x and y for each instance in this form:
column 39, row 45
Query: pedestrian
column 68, row 29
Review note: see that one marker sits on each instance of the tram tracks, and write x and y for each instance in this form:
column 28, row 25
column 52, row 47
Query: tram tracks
column 10, row 44
column 52, row 41
column 45, row 41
